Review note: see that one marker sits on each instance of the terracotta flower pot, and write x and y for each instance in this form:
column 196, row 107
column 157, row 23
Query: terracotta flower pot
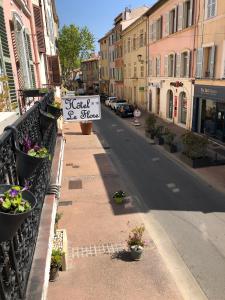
column 86, row 128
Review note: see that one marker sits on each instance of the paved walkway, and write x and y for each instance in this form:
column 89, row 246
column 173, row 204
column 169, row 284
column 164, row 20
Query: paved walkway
column 97, row 228
column 214, row 176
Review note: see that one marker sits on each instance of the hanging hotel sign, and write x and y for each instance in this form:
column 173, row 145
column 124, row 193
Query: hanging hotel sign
column 176, row 84
column 81, row 108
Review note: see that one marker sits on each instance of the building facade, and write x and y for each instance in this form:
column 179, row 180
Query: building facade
column 209, row 91
column 90, row 75
column 135, row 62
column 104, row 65
column 172, row 26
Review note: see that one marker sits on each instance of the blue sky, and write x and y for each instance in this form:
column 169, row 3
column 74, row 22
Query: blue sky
column 96, row 15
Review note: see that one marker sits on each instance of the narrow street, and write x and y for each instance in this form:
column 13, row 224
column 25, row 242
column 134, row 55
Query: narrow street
column 191, row 212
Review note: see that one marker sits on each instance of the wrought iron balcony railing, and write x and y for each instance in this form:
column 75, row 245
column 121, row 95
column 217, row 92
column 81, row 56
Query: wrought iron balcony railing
column 16, row 255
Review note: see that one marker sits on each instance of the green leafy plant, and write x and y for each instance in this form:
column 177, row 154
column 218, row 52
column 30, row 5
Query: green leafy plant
column 4, row 94
column 56, row 259
column 34, row 150
column 12, row 201
column 56, row 105
column 150, row 122
column 169, row 138
column 119, row 194
column 159, row 131
column 195, row 146
column 136, row 237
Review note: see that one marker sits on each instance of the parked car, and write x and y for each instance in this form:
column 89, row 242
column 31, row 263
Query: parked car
column 116, row 103
column 125, row 110
column 107, row 101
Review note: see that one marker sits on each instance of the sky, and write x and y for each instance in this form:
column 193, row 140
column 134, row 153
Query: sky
column 97, row 15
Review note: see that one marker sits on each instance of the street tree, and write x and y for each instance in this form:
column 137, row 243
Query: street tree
column 75, row 44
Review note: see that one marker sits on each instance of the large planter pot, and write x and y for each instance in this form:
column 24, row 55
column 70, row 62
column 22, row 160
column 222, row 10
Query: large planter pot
column 26, row 165
column 136, row 252
column 56, row 112
column 86, row 128
column 10, row 223
column 172, row 148
column 196, row 162
column 54, row 273
column 159, row 140
column 45, row 121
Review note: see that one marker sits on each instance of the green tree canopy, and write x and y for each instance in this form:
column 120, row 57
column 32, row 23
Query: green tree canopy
column 75, row 44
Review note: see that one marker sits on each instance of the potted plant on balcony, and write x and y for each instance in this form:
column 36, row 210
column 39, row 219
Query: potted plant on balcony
column 135, row 242
column 150, row 126
column 195, row 150
column 119, row 196
column 56, row 264
column 29, row 156
column 16, row 204
column 54, row 109
column 169, row 142
column 86, row 127
column 46, row 119
column 159, row 131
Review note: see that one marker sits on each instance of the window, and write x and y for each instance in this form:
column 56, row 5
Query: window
column 205, row 62
column 141, row 39
column 134, row 42
column 172, row 21
column 157, row 66
column 183, row 107
column 142, row 71
column 171, row 65
column 187, row 14
column 150, row 67
column 128, row 45
column 185, row 64
column 155, row 30
column 210, row 8
column 170, row 104
column 135, row 70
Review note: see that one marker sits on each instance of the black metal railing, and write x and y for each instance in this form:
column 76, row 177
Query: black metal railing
column 16, row 255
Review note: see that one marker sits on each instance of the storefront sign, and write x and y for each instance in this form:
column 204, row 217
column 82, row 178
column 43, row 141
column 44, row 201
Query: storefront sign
column 81, row 108
column 210, row 92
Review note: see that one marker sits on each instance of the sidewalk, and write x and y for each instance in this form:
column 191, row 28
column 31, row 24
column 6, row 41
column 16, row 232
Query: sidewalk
column 214, row 176
column 96, row 227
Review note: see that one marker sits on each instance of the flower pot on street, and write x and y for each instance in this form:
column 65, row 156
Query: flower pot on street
column 136, row 252
column 86, row 127
column 10, row 222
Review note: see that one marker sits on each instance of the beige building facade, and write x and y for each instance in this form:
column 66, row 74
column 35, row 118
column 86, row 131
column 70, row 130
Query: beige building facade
column 135, row 63
column 104, row 65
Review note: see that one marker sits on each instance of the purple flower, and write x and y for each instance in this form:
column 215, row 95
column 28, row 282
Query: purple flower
column 36, row 147
column 1, row 200
column 27, row 185
column 13, row 193
column 27, row 144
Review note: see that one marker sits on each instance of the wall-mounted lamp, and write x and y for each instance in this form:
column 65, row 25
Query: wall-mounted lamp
column 140, row 58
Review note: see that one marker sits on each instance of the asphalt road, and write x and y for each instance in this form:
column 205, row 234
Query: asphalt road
column 191, row 212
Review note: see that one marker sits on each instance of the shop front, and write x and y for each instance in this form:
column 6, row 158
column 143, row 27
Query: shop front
column 209, row 111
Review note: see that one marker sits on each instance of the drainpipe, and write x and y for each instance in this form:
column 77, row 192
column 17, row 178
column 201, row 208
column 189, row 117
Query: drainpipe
column 33, row 34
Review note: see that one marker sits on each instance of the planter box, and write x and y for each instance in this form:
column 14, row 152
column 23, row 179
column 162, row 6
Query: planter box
column 31, row 93
column 159, row 140
column 196, row 162
column 171, row 148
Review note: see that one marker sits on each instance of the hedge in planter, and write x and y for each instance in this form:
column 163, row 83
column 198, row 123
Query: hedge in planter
column 150, row 126
column 159, row 135
column 16, row 204
column 169, row 142
column 56, row 264
column 195, row 150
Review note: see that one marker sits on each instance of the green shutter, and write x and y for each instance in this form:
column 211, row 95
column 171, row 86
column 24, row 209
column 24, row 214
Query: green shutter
column 6, row 58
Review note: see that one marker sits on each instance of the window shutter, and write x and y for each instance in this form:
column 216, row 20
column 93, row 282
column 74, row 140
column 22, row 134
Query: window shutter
column 166, row 65
column 178, row 65
column 6, row 58
column 54, row 70
column 166, row 23
column 188, row 65
column 175, row 19
column 154, row 31
column 31, row 63
column 39, row 28
column 199, row 63
column 190, row 21
column 174, row 64
column 151, row 32
column 212, row 61
column 150, row 67
column 180, row 17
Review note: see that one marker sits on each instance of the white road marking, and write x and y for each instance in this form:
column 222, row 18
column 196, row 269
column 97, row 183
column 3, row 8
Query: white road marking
column 176, row 190
column 171, row 185
column 155, row 159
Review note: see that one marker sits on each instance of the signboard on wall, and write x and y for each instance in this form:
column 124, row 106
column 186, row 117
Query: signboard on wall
column 81, row 108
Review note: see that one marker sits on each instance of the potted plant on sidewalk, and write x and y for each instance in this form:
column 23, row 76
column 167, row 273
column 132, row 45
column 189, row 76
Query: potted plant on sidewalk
column 135, row 242
column 169, row 142
column 150, row 126
column 56, row 264
column 159, row 131
column 86, row 127
column 16, row 204
column 119, row 196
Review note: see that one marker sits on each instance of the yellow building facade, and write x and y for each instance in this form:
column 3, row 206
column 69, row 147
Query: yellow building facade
column 104, row 64
column 135, row 63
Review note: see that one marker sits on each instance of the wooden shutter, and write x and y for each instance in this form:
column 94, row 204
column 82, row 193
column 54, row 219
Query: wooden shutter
column 154, row 31
column 180, row 17
column 188, row 64
column 39, row 28
column 212, row 61
column 151, row 32
column 199, row 63
column 54, row 70
column 30, row 58
column 190, row 21
column 166, row 65
column 150, row 67
column 6, row 58
column 178, row 65
column 167, row 23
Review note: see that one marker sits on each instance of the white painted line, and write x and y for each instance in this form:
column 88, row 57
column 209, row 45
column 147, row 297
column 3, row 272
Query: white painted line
column 176, row 190
column 171, row 185
column 155, row 159
column 114, row 125
column 119, row 130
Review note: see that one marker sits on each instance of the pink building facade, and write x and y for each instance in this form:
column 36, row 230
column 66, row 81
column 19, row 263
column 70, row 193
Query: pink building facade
column 171, row 53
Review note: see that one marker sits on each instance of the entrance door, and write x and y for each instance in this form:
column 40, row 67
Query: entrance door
column 220, row 126
column 157, row 100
